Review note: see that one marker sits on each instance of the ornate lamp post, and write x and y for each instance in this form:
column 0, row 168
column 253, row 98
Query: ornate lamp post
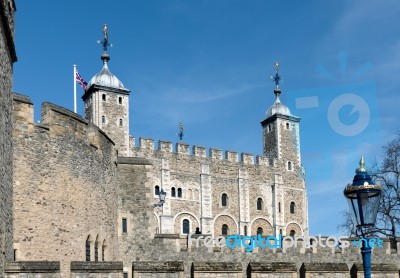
column 363, row 198
column 161, row 195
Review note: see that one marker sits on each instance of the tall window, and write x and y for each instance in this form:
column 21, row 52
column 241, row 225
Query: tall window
column 124, row 225
column 120, row 122
column 292, row 207
column 289, row 166
column 87, row 247
column 157, row 190
column 103, row 250
column 179, row 192
column 279, row 207
column 224, row 230
column 173, row 192
column 103, row 119
column 259, row 231
column 287, row 125
column 245, row 230
column 224, row 200
column 103, row 97
column 120, row 100
column 96, row 250
column 185, row 226
column 259, row 204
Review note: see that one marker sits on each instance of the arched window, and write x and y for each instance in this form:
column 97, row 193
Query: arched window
column 120, row 122
column 259, row 204
column 225, row 230
column 103, row 250
column 87, row 247
column 103, row 119
column 179, row 192
column 185, row 226
column 287, row 125
column 156, row 190
column 224, row 200
column 173, row 192
column 289, row 165
column 292, row 233
column 292, row 207
column 259, row 231
column 120, row 100
column 245, row 230
column 96, row 250
column 104, row 97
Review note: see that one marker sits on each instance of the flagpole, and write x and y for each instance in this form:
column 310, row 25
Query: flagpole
column 74, row 88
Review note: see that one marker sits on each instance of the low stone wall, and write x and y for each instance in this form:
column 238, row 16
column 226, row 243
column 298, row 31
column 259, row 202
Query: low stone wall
column 158, row 269
column 32, row 269
column 96, row 269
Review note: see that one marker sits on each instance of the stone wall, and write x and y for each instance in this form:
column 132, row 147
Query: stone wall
column 7, row 58
column 32, row 269
column 64, row 187
column 202, row 179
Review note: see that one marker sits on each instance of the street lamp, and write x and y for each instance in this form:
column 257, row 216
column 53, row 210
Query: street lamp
column 363, row 198
column 161, row 195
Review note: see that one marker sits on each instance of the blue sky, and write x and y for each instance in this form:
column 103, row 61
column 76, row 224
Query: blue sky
column 208, row 63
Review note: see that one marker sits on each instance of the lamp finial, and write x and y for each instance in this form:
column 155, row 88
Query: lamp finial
column 362, row 166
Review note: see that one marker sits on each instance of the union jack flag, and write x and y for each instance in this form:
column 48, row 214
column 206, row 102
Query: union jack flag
column 79, row 79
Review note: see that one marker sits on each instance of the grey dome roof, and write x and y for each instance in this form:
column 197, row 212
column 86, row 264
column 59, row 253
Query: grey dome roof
column 278, row 108
column 105, row 77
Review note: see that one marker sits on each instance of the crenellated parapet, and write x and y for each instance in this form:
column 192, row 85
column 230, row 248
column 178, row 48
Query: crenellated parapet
column 55, row 121
column 147, row 146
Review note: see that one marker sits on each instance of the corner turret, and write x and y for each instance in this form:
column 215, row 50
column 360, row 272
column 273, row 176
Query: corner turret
column 107, row 103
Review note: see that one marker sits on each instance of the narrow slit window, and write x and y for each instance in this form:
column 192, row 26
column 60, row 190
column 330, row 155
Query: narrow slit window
column 224, row 200
column 225, row 230
column 124, row 225
column 120, row 100
column 179, row 192
column 103, row 97
column 259, row 204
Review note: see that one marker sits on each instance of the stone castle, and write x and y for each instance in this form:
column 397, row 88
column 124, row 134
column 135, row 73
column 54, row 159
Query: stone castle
column 79, row 195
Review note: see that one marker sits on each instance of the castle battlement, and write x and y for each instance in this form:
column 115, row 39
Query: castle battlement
column 56, row 121
column 147, row 145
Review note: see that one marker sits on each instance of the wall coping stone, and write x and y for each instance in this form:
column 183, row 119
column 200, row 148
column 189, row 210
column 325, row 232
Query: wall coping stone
column 216, row 266
column 22, row 98
column 173, row 236
column 78, row 266
column 160, row 266
column 32, row 266
column 273, row 267
column 133, row 160
column 377, row 267
column 334, row 267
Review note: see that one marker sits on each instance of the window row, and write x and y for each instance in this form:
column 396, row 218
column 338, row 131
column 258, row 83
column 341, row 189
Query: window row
column 178, row 192
column 224, row 202
column 103, row 121
column 104, row 98
column 96, row 249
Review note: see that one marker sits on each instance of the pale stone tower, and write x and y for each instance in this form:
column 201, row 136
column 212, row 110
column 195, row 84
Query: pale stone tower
column 107, row 103
column 281, row 144
column 281, row 131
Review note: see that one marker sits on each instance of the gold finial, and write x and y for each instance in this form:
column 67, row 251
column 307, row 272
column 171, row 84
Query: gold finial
column 276, row 66
column 362, row 166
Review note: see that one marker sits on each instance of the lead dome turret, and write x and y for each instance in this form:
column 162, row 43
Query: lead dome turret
column 105, row 77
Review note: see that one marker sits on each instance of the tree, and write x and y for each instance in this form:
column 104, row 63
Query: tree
column 387, row 174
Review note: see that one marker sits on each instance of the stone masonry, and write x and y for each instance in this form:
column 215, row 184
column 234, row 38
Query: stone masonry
column 64, row 187
column 8, row 57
